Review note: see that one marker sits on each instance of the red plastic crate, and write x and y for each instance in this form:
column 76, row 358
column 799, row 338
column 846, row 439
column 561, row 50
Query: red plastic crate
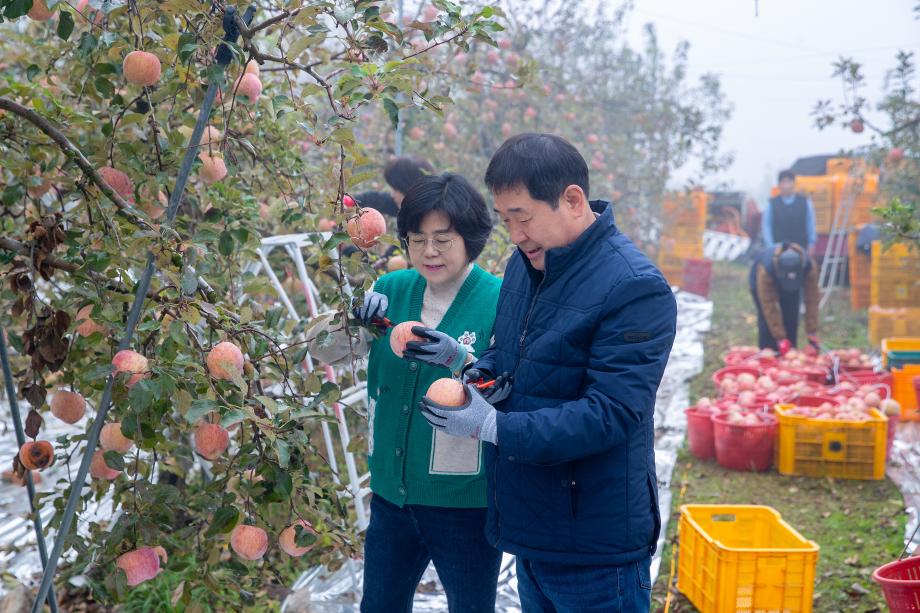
column 697, row 276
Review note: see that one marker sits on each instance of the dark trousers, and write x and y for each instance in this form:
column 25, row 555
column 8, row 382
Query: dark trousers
column 789, row 305
column 401, row 541
column 551, row 587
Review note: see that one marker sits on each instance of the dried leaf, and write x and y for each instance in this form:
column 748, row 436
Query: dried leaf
column 856, row 590
column 61, row 322
column 35, row 394
column 33, row 424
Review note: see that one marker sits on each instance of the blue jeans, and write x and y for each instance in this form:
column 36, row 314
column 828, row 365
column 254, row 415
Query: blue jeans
column 401, row 541
column 550, row 587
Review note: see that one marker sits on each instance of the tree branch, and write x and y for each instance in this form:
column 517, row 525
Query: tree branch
column 21, row 248
column 71, row 151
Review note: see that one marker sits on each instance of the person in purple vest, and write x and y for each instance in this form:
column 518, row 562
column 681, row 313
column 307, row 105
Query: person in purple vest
column 789, row 217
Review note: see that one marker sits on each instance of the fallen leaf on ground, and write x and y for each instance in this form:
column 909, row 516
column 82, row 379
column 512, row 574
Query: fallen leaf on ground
column 856, row 590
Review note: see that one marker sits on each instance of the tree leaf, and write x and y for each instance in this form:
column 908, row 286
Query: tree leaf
column 284, row 452
column 65, row 25
column 337, row 239
column 189, row 281
column 392, row 111
column 104, row 87
column 114, row 460
column 297, row 47
column 233, row 416
column 16, row 8
column 225, row 519
column 304, row 537
column 200, row 407
column 225, row 243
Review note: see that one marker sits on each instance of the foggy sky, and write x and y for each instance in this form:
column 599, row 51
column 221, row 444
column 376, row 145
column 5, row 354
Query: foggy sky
column 775, row 66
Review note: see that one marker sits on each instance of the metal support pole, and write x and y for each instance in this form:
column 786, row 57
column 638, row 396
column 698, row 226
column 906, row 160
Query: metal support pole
column 21, row 440
column 398, row 138
column 223, row 58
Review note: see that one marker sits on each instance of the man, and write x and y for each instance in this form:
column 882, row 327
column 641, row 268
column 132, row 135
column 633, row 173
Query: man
column 789, row 217
column 777, row 280
column 584, row 325
column 401, row 173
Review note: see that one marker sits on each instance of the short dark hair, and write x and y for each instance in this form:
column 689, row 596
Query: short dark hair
column 785, row 174
column 403, row 171
column 545, row 164
column 458, row 199
column 382, row 201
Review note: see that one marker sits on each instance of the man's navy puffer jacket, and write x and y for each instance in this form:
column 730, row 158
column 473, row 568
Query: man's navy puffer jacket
column 572, row 478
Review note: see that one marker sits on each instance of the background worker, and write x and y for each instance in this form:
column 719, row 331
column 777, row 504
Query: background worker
column 779, row 277
column 789, row 217
column 401, row 173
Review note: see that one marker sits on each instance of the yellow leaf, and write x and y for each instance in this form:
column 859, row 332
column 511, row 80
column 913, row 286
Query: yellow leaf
column 172, row 41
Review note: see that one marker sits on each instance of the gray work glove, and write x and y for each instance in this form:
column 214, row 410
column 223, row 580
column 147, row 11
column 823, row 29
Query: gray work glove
column 473, row 419
column 374, row 307
column 438, row 349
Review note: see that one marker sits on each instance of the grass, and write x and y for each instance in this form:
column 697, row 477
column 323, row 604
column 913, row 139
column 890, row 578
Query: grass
column 858, row 524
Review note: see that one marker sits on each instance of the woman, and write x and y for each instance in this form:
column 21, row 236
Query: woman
column 429, row 490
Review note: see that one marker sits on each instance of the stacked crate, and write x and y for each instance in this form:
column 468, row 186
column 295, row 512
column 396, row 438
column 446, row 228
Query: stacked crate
column 860, row 270
column 865, row 189
column 822, row 191
column 894, row 292
column 839, row 166
column 683, row 223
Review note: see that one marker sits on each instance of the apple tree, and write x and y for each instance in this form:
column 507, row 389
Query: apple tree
column 98, row 102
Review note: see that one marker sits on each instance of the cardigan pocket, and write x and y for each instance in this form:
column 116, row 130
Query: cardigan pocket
column 451, row 455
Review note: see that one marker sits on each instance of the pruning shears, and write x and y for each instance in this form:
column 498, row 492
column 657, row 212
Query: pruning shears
column 383, row 323
column 483, row 384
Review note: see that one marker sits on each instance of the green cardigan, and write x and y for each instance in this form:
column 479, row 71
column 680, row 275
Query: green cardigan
column 410, row 462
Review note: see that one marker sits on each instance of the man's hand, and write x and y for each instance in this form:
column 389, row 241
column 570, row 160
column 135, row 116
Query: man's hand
column 374, row 308
column 496, row 392
column 439, row 349
column 471, row 374
column 473, row 419
column 784, row 346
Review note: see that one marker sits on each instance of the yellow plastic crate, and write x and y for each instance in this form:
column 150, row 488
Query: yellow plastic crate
column 831, row 448
column 906, row 345
column 744, row 558
column 685, row 209
column 839, row 166
column 885, row 322
column 895, row 276
column 691, row 248
column 860, row 270
column 821, row 190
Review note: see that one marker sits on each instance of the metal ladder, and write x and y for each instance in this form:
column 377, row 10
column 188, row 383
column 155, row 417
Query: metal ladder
column 835, row 254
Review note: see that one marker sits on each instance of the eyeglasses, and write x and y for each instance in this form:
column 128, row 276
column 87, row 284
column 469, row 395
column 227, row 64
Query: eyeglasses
column 417, row 243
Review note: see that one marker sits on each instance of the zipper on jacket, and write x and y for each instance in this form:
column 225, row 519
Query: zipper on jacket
column 498, row 516
column 533, row 303
column 572, row 501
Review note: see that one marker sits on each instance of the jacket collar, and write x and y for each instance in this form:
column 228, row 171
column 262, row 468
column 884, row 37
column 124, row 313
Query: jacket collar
column 559, row 259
